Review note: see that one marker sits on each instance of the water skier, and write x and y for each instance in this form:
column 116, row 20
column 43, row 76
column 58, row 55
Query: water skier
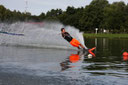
column 71, row 40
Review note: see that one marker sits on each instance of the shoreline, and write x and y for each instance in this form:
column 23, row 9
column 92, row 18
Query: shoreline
column 99, row 35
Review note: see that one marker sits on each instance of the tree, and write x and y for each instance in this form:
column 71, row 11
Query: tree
column 93, row 15
column 53, row 14
column 70, row 10
column 98, row 14
column 7, row 15
column 114, row 16
column 125, row 26
column 71, row 16
column 41, row 16
column 2, row 11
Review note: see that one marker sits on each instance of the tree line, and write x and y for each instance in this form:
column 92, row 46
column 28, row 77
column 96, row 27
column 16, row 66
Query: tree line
column 98, row 14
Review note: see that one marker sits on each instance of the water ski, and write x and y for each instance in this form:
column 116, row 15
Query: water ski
column 88, row 51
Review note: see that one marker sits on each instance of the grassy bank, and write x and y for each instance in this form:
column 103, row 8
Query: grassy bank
column 106, row 35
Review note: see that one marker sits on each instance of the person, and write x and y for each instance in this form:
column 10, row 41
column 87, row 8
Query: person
column 71, row 40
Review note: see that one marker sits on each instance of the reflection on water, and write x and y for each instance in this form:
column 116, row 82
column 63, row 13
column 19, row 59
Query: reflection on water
column 73, row 58
column 109, row 60
column 34, row 66
column 125, row 57
column 108, row 47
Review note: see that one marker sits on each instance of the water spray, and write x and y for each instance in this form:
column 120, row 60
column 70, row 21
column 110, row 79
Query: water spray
column 36, row 35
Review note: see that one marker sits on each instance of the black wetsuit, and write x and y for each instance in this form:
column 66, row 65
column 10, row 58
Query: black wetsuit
column 67, row 36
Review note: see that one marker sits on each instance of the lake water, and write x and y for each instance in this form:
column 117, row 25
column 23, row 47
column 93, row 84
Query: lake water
column 38, row 66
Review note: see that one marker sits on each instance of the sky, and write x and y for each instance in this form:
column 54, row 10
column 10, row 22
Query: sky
column 36, row 7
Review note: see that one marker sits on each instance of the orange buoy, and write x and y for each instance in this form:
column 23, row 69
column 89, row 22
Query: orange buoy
column 125, row 54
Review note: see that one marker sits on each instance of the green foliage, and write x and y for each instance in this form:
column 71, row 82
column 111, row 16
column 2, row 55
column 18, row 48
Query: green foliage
column 71, row 16
column 70, row 10
column 125, row 25
column 2, row 12
column 98, row 14
column 114, row 16
column 41, row 16
column 105, row 35
column 53, row 14
column 12, row 16
column 93, row 15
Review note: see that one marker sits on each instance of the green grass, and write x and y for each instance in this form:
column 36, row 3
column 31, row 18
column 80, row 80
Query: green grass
column 105, row 35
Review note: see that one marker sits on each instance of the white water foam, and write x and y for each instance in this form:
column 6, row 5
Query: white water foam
column 45, row 35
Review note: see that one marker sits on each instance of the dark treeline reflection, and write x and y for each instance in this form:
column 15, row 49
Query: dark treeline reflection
column 107, row 48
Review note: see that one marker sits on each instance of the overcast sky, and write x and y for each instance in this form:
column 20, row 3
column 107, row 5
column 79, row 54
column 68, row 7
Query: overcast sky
column 36, row 7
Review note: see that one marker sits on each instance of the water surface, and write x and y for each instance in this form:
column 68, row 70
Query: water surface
column 38, row 66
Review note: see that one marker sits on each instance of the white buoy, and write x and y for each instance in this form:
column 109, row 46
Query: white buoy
column 89, row 55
